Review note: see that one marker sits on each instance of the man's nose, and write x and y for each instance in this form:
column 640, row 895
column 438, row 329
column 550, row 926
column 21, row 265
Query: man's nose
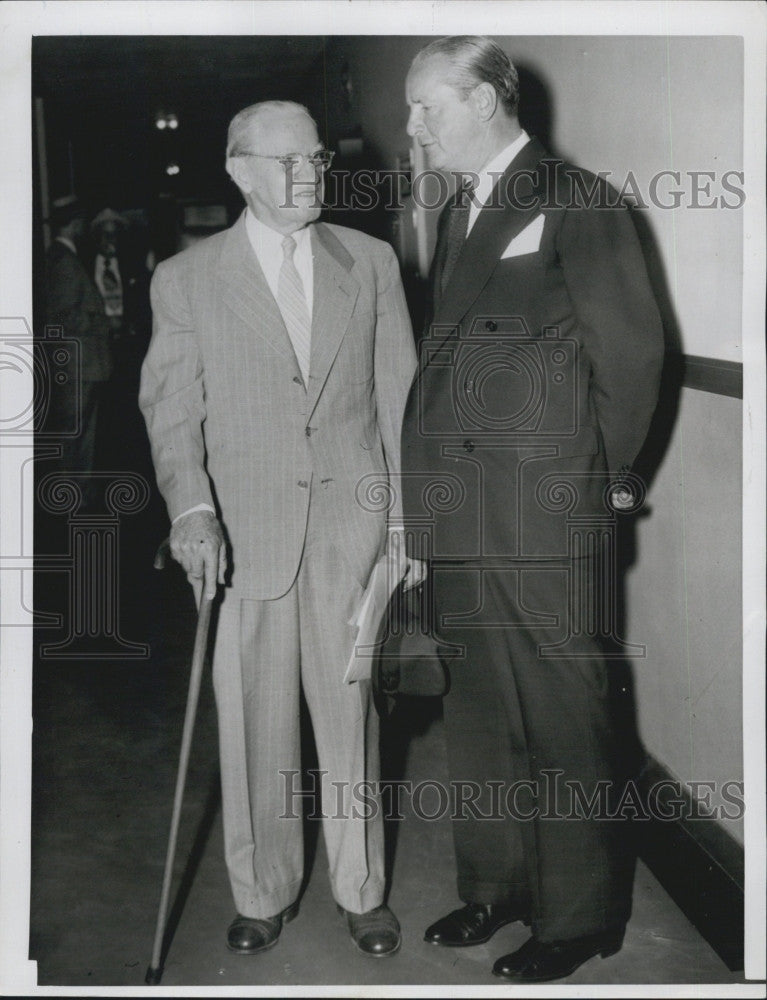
column 305, row 172
column 414, row 123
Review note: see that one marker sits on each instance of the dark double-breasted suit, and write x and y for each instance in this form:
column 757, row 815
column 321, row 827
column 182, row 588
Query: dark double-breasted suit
column 537, row 380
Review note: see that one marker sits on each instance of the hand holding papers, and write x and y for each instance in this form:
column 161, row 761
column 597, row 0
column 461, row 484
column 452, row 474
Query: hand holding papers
column 384, row 578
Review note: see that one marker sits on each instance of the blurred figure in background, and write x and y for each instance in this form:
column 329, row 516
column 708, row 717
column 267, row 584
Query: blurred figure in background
column 122, row 278
column 119, row 271
column 73, row 302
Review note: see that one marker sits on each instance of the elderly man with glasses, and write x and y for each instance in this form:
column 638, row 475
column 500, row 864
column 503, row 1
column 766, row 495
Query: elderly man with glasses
column 273, row 392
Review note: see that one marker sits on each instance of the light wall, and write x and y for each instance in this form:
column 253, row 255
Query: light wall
column 644, row 105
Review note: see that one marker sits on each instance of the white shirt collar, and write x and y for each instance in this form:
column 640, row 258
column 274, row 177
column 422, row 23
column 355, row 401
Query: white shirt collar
column 489, row 175
column 267, row 246
column 67, row 243
column 266, row 240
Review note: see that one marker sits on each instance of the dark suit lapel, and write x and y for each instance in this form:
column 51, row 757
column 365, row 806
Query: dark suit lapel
column 494, row 228
column 246, row 291
column 335, row 293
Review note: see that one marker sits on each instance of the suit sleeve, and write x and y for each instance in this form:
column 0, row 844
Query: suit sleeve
column 395, row 364
column 172, row 397
column 619, row 323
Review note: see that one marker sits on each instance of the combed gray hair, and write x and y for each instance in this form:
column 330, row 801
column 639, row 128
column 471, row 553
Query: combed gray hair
column 242, row 123
column 475, row 59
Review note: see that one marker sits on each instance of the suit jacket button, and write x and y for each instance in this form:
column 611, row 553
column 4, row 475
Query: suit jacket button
column 491, row 325
column 297, row 379
column 468, row 445
column 303, row 483
column 308, row 432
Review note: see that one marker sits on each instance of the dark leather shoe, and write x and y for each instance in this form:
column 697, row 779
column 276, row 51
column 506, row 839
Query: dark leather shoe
column 537, row 962
column 375, row 933
column 474, row 923
column 250, row 935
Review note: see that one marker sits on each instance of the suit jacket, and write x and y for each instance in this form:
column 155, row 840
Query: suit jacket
column 74, row 303
column 231, row 423
column 538, row 373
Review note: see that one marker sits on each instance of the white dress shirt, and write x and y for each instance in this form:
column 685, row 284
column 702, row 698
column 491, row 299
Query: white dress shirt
column 490, row 175
column 113, row 300
column 267, row 246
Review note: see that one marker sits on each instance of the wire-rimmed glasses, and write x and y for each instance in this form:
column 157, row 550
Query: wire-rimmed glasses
column 320, row 159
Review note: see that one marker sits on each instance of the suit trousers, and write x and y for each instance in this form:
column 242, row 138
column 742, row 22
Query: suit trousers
column 264, row 652
column 533, row 735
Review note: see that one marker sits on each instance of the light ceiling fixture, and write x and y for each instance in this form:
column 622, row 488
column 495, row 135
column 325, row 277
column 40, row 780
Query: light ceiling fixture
column 163, row 121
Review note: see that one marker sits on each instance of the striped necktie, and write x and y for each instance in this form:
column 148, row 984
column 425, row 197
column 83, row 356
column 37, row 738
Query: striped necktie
column 292, row 302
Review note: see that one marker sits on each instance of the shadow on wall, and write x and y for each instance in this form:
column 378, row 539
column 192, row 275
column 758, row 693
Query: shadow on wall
column 535, row 112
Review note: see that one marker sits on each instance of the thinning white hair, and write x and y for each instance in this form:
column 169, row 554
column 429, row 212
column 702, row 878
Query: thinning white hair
column 244, row 121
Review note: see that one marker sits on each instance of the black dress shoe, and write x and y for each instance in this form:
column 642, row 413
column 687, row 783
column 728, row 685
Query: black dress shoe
column 474, row 923
column 539, row 962
column 250, row 935
column 376, row 932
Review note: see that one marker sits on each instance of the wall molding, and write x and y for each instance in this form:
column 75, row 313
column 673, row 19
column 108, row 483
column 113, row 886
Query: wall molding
column 700, row 865
column 693, row 371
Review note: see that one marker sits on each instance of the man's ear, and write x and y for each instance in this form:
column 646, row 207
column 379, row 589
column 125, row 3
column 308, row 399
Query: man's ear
column 235, row 167
column 485, row 101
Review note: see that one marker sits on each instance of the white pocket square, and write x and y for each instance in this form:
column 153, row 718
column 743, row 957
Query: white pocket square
column 528, row 241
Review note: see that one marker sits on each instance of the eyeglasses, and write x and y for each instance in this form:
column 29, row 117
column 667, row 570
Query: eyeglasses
column 320, row 160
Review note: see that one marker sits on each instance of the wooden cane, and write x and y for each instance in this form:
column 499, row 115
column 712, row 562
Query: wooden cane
column 154, row 972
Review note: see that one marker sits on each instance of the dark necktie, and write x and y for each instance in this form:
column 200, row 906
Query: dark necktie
column 457, row 227
column 108, row 277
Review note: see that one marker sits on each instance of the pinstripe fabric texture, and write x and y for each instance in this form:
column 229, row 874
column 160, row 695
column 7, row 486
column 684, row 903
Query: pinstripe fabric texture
column 291, row 299
column 220, row 357
column 290, row 464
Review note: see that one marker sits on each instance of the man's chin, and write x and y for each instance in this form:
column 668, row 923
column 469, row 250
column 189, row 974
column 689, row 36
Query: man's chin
column 310, row 212
column 302, row 215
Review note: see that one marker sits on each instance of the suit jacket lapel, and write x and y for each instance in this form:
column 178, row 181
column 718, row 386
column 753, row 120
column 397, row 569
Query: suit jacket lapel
column 335, row 293
column 247, row 292
column 492, row 231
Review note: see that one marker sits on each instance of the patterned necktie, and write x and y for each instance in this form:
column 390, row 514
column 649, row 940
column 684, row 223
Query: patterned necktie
column 457, row 227
column 292, row 302
column 108, row 277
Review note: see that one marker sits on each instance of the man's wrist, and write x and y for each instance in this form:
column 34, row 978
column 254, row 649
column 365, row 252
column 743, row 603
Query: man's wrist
column 193, row 510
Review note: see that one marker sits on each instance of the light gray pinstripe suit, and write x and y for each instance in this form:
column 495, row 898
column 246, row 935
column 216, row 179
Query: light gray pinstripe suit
column 231, row 424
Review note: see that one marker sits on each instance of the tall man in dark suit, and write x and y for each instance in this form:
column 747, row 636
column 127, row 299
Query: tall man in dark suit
column 537, row 380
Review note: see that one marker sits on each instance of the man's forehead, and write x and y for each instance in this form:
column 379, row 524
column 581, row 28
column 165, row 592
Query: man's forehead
column 279, row 128
column 427, row 76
